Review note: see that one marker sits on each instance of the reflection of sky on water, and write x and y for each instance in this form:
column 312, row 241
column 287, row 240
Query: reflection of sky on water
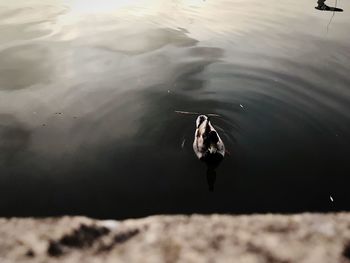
column 88, row 94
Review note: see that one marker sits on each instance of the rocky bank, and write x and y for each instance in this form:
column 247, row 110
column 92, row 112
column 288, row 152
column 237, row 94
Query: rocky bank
column 197, row 238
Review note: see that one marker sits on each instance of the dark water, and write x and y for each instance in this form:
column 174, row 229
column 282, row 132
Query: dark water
column 88, row 94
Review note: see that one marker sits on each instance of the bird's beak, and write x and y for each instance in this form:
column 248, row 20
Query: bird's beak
column 212, row 149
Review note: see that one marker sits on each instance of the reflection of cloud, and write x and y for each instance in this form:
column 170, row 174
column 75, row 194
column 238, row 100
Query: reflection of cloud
column 115, row 108
column 113, row 76
column 23, row 21
column 191, row 3
column 126, row 127
column 21, row 67
column 92, row 6
column 113, row 71
column 141, row 41
column 79, row 7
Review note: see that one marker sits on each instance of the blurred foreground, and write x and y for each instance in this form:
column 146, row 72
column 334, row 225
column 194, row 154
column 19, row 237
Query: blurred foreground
column 198, row 238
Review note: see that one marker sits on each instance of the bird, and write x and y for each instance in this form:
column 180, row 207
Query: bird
column 207, row 143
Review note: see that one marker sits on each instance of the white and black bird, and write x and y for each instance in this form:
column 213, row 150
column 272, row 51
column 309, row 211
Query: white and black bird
column 207, row 143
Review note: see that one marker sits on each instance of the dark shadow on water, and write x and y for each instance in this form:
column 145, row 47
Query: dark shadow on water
column 14, row 139
column 212, row 164
column 211, row 178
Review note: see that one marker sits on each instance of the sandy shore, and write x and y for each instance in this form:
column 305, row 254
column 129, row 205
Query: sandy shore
column 197, row 238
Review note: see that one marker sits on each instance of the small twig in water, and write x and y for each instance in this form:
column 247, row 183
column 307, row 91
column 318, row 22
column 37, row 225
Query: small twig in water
column 197, row 113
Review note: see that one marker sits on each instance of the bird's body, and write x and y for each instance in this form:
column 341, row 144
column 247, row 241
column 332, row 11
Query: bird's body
column 207, row 143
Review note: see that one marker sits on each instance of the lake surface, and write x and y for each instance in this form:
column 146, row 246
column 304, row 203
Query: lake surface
column 88, row 94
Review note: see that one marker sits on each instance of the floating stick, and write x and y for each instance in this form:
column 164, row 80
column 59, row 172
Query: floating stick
column 198, row 113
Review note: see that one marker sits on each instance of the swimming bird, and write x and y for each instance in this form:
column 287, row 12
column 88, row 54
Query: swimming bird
column 207, row 143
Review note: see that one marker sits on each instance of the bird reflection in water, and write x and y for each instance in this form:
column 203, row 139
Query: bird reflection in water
column 211, row 173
